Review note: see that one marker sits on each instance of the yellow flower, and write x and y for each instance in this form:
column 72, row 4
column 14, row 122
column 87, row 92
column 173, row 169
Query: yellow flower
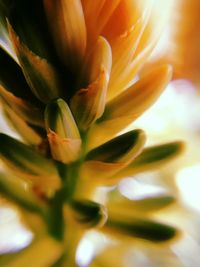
column 69, row 89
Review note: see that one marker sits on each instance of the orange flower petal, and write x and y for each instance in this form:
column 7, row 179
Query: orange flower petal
column 67, row 23
column 88, row 104
column 130, row 104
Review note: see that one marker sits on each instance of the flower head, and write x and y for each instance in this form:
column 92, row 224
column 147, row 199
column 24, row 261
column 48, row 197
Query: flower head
column 69, row 89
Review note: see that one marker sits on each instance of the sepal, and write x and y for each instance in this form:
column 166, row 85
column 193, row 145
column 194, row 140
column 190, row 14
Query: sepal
column 29, row 164
column 88, row 213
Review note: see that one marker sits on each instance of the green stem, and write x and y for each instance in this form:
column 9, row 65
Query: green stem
column 64, row 229
column 55, row 218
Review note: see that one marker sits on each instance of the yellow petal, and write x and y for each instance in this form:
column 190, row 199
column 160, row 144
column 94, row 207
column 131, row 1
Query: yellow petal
column 147, row 41
column 127, row 76
column 151, row 158
column 160, row 12
column 13, row 189
column 105, row 131
column 88, row 104
column 113, row 255
column 90, row 8
column 17, row 85
column 26, row 132
column 124, row 16
column 183, row 50
column 106, row 13
column 130, row 104
column 25, row 110
column 97, row 172
column 114, row 155
column 66, row 20
column 123, row 50
column 135, row 100
column 97, row 14
column 65, row 150
column 123, row 207
column 120, row 149
column 45, row 251
column 5, row 42
column 39, row 73
column 58, row 118
column 28, row 164
column 101, row 57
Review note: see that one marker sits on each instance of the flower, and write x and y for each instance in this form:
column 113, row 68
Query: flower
column 68, row 87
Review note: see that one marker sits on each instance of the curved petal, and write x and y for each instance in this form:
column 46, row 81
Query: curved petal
column 58, row 118
column 28, row 134
column 39, row 73
column 105, row 161
column 130, row 104
column 123, row 50
column 29, row 164
column 25, row 110
column 120, row 149
column 150, row 158
column 17, row 85
column 5, row 42
column 66, row 20
column 123, row 207
column 149, row 13
column 88, row 104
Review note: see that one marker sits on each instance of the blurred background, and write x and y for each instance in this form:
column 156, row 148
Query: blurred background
column 175, row 116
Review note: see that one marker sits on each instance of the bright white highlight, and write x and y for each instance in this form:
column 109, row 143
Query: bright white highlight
column 135, row 190
column 188, row 181
column 187, row 250
column 13, row 235
column 85, row 252
column 175, row 114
